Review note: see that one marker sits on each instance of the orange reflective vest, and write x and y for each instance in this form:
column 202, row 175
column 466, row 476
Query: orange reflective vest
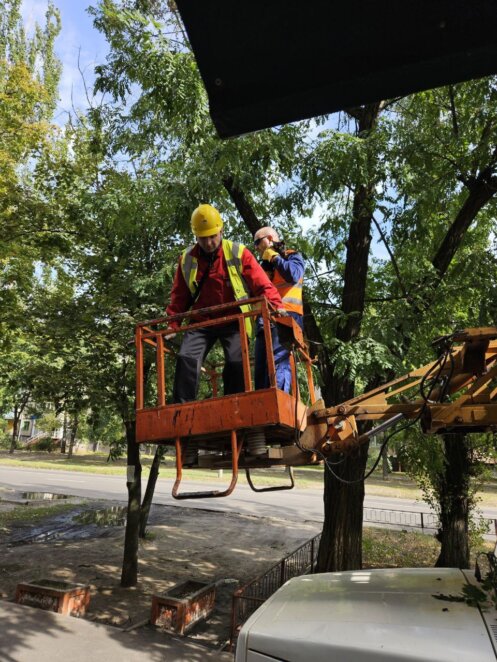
column 290, row 293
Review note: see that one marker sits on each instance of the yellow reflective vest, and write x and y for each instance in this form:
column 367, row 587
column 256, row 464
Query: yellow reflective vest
column 232, row 252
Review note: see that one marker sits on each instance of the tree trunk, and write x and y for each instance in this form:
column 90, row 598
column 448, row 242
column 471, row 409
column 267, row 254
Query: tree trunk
column 384, row 459
column 480, row 193
column 18, row 409
column 129, row 574
column 74, row 432
column 15, row 429
column 64, row 435
column 356, row 263
column 149, row 492
column 243, row 205
column 455, row 502
column 341, row 540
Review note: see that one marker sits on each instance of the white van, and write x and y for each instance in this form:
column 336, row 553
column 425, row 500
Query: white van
column 396, row 615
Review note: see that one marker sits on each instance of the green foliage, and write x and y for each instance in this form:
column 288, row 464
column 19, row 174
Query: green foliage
column 29, row 75
column 117, row 449
column 95, row 217
column 425, row 461
column 48, row 422
column 44, row 444
column 5, row 436
column 362, row 359
column 101, row 425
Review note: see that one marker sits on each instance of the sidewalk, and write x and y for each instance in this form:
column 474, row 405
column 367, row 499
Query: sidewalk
column 34, row 635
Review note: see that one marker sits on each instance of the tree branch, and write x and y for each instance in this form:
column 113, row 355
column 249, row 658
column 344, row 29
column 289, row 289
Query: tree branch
column 243, row 205
column 455, row 123
column 386, row 299
column 392, row 257
column 38, row 231
column 478, row 196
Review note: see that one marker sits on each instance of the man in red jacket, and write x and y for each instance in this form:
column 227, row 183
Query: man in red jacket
column 212, row 272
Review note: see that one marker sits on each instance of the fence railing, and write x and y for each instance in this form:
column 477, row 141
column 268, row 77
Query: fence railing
column 249, row 597
column 407, row 518
column 414, row 519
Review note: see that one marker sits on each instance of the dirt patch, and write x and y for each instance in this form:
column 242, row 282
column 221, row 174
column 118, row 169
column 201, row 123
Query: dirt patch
column 183, row 544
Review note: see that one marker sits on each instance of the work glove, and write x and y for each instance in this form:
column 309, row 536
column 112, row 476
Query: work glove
column 170, row 333
column 269, row 254
column 282, row 312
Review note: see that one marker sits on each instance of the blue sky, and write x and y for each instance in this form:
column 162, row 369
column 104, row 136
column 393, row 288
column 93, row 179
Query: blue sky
column 78, row 38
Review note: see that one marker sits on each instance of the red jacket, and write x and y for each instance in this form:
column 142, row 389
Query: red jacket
column 216, row 288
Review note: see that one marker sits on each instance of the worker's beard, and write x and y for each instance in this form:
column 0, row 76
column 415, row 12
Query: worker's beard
column 211, row 254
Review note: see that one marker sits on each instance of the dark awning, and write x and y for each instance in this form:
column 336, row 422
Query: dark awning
column 267, row 62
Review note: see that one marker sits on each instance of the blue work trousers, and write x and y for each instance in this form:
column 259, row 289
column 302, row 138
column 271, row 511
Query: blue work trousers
column 281, row 357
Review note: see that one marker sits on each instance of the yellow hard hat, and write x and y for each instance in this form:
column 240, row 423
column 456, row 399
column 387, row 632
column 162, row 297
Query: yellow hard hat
column 206, row 221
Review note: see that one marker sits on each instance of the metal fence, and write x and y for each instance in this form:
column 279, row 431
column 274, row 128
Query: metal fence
column 403, row 518
column 249, row 597
column 415, row 520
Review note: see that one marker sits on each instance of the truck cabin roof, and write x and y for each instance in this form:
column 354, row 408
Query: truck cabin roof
column 265, row 63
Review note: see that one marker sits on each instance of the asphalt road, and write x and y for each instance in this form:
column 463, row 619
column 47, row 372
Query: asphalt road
column 292, row 504
column 307, row 504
